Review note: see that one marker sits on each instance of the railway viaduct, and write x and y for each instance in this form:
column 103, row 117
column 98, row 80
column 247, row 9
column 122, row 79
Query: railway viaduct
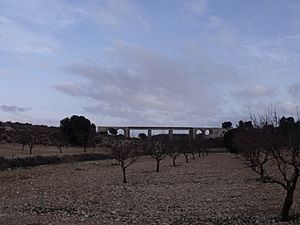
column 210, row 132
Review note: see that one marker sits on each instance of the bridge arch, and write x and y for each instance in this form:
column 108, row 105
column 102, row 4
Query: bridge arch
column 208, row 132
column 121, row 131
column 199, row 132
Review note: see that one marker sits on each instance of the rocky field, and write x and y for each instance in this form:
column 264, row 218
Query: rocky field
column 215, row 189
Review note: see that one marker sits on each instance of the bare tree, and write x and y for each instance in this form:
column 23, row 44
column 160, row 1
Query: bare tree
column 173, row 151
column 157, row 149
column 184, row 146
column 275, row 154
column 28, row 138
column 256, row 148
column 192, row 149
column 125, row 152
column 286, row 155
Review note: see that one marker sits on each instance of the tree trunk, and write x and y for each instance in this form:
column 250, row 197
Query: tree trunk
column 288, row 202
column 157, row 165
column 287, row 205
column 199, row 154
column 261, row 172
column 124, row 175
column 186, row 158
column 59, row 147
column 174, row 161
column 30, row 148
column 193, row 155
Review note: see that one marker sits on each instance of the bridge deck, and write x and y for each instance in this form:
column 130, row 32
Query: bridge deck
column 158, row 128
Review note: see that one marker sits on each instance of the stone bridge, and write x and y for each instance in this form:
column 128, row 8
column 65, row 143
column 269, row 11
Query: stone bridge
column 210, row 132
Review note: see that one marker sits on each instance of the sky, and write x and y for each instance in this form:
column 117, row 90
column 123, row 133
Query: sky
column 151, row 63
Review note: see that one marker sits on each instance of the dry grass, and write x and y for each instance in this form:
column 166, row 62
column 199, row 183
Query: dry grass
column 216, row 189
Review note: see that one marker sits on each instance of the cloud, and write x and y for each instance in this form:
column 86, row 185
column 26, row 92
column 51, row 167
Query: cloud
column 49, row 15
column 294, row 89
column 32, row 27
column 15, row 38
column 255, row 91
column 62, row 14
column 197, row 7
column 13, row 109
column 288, row 107
column 140, row 84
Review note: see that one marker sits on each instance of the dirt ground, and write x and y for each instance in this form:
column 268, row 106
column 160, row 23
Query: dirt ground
column 215, row 189
column 15, row 150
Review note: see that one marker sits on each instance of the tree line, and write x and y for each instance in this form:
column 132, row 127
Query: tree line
column 127, row 150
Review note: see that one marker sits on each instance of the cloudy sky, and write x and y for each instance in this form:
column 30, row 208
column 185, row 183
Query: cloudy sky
column 141, row 62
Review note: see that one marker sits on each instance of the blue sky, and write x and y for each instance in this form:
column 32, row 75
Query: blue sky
column 141, row 62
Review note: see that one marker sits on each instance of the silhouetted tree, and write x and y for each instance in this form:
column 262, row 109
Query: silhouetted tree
column 142, row 136
column 227, row 125
column 78, row 130
column 230, row 140
column 247, row 124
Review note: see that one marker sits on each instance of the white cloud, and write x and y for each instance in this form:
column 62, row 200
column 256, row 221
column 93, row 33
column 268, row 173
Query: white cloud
column 196, row 7
column 138, row 84
column 13, row 109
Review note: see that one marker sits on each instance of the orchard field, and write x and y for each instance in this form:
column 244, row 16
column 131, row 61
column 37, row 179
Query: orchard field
column 213, row 189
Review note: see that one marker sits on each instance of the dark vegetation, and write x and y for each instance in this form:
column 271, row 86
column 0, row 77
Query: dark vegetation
column 44, row 160
column 74, row 131
column 270, row 146
column 78, row 131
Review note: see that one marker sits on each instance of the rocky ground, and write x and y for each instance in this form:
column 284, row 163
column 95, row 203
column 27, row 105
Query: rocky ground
column 215, row 189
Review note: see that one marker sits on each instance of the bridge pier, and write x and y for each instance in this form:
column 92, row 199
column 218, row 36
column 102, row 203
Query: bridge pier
column 149, row 133
column 192, row 133
column 127, row 132
column 170, row 134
